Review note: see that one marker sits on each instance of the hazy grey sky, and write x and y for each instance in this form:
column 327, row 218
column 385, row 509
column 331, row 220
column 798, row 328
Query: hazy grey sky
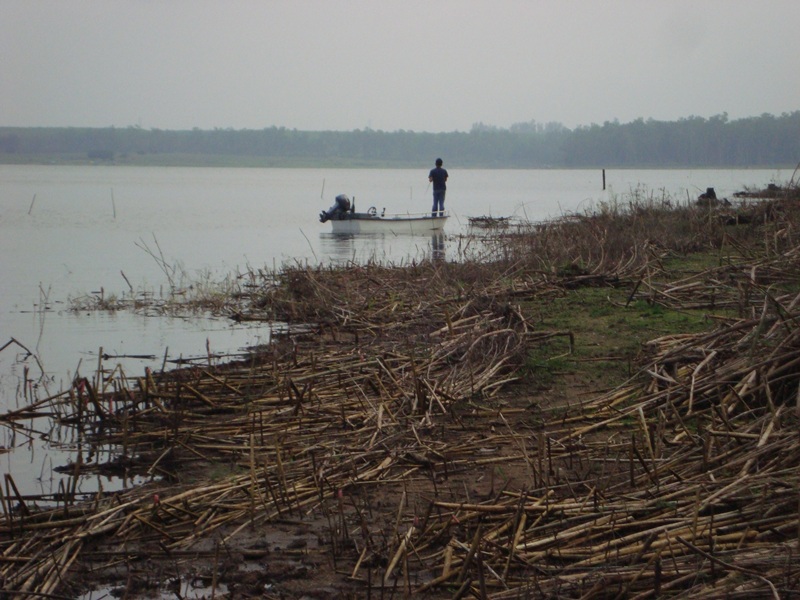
column 421, row 65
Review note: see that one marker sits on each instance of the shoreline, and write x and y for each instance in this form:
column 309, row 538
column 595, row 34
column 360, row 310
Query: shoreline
column 480, row 425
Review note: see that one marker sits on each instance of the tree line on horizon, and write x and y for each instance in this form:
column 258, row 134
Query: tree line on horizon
column 765, row 140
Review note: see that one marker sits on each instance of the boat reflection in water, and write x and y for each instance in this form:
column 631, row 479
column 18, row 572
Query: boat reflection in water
column 437, row 246
column 363, row 248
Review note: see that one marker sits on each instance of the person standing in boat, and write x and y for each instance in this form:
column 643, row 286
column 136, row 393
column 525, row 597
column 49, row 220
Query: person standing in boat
column 438, row 177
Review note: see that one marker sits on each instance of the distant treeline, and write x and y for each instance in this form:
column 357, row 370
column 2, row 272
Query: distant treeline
column 766, row 140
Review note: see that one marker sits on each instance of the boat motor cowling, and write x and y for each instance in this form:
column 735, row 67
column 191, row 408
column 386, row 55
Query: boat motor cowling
column 341, row 206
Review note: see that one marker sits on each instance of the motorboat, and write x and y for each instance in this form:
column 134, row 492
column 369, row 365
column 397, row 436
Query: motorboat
column 344, row 219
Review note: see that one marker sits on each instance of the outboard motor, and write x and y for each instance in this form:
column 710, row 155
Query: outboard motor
column 336, row 211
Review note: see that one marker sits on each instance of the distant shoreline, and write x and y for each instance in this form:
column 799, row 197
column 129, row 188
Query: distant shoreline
column 689, row 143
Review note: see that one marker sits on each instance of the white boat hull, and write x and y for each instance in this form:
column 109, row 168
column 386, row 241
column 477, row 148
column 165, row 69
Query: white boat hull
column 394, row 224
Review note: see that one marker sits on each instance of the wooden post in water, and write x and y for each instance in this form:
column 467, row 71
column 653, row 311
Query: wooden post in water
column 604, row 180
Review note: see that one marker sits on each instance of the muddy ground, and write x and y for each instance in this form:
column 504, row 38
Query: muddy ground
column 311, row 553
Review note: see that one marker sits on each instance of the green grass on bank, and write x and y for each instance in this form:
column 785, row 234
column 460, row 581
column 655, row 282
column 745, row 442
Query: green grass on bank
column 609, row 334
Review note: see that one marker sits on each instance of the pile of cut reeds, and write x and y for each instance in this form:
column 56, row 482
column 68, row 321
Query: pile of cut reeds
column 298, row 426
column 391, row 426
column 686, row 483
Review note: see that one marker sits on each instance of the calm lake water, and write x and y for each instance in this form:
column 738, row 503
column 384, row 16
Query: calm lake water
column 66, row 232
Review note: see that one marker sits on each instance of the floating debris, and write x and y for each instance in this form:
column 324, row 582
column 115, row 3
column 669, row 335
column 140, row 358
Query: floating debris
column 490, row 222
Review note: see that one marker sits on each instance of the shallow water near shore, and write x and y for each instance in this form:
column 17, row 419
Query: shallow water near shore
column 68, row 232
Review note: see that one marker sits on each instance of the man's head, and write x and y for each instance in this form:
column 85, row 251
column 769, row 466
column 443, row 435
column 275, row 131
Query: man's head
column 439, row 162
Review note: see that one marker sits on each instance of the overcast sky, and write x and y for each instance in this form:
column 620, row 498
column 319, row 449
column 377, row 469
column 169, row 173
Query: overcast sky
column 419, row 65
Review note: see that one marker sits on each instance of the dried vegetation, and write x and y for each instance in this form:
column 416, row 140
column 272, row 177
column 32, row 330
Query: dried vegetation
column 402, row 446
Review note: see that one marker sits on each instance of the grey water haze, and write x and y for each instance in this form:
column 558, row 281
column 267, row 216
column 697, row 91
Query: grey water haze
column 68, row 231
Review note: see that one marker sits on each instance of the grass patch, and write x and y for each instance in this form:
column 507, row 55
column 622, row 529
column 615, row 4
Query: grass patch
column 610, row 333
